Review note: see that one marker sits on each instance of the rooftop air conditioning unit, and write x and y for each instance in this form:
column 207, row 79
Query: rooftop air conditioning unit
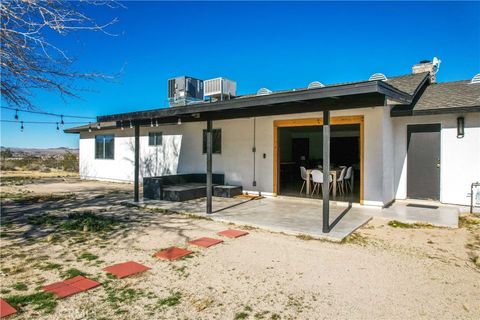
column 220, row 88
column 184, row 90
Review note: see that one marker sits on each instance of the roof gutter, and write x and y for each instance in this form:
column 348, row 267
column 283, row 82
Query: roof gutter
column 307, row 95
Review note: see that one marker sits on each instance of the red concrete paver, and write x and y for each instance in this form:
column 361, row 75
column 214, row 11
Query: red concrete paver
column 71, row 286
column 205, row 242
column 6, row 309
column 172, row 253
column 126, row 269
column 231, row 233
column 62, row 290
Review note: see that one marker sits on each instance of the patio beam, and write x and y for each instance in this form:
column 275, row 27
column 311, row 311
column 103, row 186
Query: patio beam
column 137, row 164
column 326, row 172
column 209, row 166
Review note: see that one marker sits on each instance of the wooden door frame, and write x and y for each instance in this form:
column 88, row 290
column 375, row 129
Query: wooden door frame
column 307, row 122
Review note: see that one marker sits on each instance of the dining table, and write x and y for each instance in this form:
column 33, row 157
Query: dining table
column 333, row 173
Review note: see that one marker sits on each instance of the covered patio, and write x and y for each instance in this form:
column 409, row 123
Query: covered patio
column 318, row 219
column 293, row 216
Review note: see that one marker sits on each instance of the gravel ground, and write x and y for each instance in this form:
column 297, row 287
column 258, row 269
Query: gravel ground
column 380, row 272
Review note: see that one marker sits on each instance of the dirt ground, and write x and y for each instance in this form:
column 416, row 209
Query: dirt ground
column 380, row 272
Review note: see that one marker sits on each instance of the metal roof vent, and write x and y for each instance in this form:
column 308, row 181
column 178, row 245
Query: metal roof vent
column 377, row 76
column 263, row 92
column 476, row 78
column 315, row 84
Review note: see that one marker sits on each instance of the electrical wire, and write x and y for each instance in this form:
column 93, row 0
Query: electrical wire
column 47, row 113
column 42, row 122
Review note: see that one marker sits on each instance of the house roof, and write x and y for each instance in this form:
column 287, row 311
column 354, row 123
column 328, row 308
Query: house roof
column 413, row 92
column 333, row 97
column 409, row 83
column 447, row 97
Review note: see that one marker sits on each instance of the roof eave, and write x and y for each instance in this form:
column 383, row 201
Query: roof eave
column 368, row 87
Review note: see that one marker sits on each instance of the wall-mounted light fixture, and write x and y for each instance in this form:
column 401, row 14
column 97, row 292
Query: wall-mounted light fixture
column 460, row 127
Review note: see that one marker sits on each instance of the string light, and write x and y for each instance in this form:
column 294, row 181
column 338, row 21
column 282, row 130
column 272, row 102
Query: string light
column 48, row 113
column 156, row 123
column 179, row 122
column 131, row 126
column 62, row 123
column 21, row 126
column 89, row 127
column 121, row 125
column 151, row 123
column 16, row 114
column 57, row 127
column 98, row 126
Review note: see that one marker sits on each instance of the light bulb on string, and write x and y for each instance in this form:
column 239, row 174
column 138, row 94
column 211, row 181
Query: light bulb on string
column 21, row 126
column 131, row 125
column 151, row 123
column 16, row 114
column 179, row 122
column 98, row 126
column 121, row 125
column 156, row 123
column 89, row 127
column 62, row 123
column 58, row 127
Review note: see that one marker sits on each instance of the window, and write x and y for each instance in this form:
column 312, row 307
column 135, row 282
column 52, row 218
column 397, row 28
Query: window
column 104, row 146
column 216, row 141
column 155, row 138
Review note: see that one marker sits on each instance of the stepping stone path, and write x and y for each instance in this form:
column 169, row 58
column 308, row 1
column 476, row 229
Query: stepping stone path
column 71, row 286
column 78, row 284
column 172, row 253
column 126, row 269
column 231, row 233
column 6, row 309
column 205, row 242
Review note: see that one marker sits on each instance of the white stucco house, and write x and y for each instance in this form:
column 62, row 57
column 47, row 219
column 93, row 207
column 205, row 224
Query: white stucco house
column 405, row 136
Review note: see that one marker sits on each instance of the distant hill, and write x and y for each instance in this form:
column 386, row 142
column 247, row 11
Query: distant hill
column 40, row 152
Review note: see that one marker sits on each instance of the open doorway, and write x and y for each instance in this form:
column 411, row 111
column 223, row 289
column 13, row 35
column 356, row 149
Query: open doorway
column 302, row 146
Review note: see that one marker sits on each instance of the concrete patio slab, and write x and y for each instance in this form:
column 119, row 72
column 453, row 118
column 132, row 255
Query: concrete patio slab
column 293, row 216
column 415, row 211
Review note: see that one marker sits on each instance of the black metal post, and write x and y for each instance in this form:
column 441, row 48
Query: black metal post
column 137, row 163
column 209, row 166
column 326, row 171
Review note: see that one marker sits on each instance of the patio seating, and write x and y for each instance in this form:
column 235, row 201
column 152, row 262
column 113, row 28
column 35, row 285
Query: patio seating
column 317, row 177
column 304, row 175
column 183, row 187
column 349, row 179
column 341, row 181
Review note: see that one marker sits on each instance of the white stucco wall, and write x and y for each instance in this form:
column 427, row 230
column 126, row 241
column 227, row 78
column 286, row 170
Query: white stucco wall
column 183, row 153
column 460, row 158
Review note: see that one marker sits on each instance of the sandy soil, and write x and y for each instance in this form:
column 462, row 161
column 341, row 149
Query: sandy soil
column 380, row 273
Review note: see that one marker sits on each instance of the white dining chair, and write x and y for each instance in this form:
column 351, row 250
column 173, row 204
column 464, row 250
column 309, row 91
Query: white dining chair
column 349, row 179
column 341, row 180
column 317, row 178
column 303, row 174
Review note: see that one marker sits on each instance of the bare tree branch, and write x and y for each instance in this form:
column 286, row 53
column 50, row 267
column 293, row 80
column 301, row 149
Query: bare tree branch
column 29, row 60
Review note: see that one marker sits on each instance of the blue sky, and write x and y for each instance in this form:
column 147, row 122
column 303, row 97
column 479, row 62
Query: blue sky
column 259, row 44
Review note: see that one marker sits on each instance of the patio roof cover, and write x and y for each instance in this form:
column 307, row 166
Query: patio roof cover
column 325, row 99
column 343, row 96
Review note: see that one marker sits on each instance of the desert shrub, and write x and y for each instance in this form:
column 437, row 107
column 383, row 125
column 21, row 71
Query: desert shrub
column 88, row 221
column 70, row 162
column 7, row 165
